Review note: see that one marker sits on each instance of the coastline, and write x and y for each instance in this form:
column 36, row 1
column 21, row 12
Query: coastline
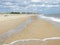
column 38, row 29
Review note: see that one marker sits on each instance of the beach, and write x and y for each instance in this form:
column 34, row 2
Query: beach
column 11, row 21
column 38, row 29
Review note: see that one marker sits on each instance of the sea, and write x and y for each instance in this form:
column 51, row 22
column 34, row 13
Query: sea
column 53, row 19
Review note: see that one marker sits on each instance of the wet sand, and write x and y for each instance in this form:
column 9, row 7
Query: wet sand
column 38, row 29
column 10, row 22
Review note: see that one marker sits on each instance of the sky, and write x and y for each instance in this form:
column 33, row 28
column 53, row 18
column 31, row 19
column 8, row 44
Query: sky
column 38, row 6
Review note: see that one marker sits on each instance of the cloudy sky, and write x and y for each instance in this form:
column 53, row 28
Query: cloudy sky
column 39, row 6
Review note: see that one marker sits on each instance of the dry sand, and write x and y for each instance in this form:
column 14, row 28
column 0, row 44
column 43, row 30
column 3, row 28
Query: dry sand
column 11, row 21
column 38, row 29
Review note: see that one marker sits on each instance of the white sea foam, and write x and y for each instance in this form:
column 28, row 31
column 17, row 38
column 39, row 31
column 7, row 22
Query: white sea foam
column 41, row 40
column 49, row 18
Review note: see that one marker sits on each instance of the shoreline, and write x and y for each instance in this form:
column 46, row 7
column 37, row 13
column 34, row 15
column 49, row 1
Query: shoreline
column 38, row 29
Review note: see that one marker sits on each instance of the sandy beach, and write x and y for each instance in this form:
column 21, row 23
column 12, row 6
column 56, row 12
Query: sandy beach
column 38, row 29
column 11, row 21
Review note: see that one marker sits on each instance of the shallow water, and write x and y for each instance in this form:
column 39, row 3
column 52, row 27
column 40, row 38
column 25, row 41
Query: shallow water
column 54, row 19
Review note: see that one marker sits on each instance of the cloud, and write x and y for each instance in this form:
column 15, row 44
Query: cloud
column 42, row 5
column 52, row 0
column 7, row 0
column 8, row 3
column 52, row 6
column 36, row 0
column 45, row 0
column 9, row 6
column 27, row 5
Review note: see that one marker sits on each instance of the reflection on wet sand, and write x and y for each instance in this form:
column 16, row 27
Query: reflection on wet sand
column 38, row 29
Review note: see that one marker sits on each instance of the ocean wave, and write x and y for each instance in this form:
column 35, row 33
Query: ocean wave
column 49, row 18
